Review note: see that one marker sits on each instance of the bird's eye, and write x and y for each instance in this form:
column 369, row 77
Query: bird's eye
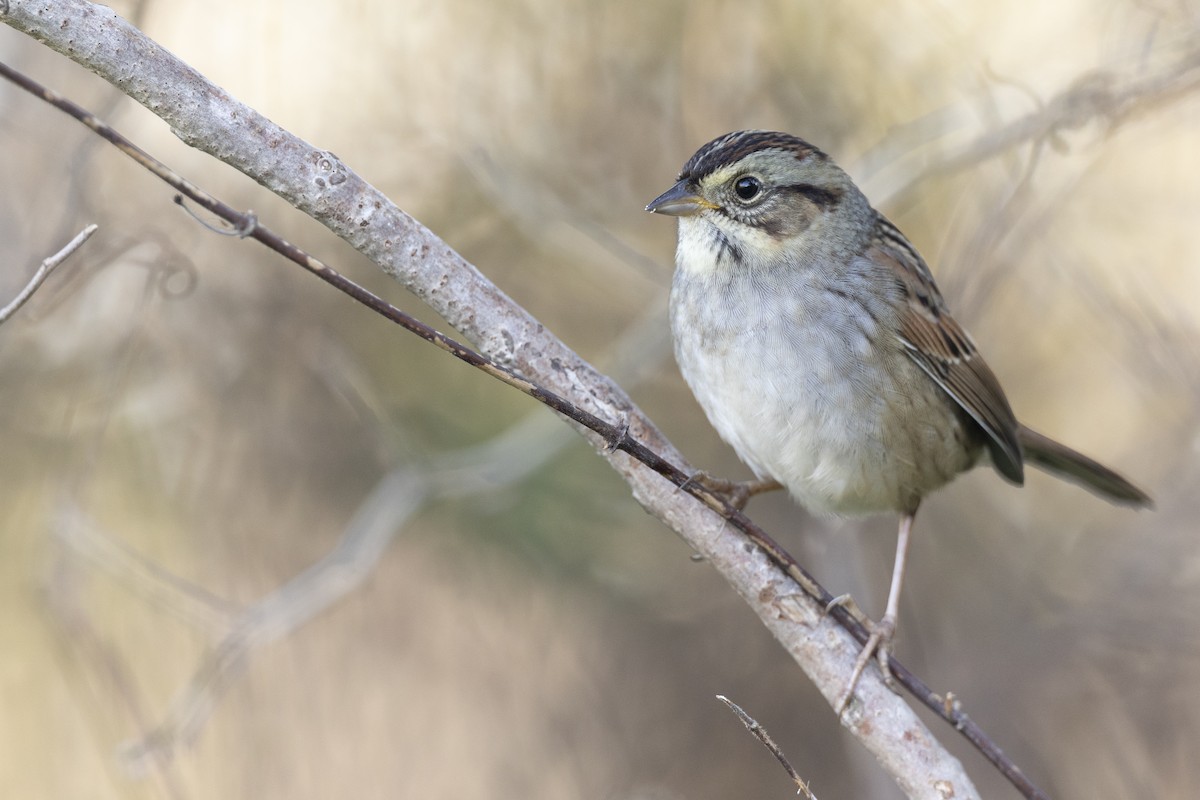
column 747, row 187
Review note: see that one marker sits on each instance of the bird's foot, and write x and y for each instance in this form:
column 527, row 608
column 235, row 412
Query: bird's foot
column 878, row 645
column 736, row 493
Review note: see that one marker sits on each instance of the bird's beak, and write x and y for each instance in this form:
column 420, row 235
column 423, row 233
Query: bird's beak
column 680, row 200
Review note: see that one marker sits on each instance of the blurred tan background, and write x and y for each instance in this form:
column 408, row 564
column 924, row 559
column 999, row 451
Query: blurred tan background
column 190, row 423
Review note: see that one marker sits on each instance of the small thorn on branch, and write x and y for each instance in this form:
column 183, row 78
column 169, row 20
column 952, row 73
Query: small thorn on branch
column 44, row 271
column 620, row 436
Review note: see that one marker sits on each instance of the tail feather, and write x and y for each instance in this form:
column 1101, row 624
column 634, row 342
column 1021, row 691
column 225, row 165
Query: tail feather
column 1060, row 460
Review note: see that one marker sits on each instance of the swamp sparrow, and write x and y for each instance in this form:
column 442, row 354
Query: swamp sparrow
column 818, row 344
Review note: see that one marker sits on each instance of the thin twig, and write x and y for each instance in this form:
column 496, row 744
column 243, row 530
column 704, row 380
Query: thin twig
column 44, row 271
column 1104, row 98
column 391, row 503
column 616, row 437
column 761, row 734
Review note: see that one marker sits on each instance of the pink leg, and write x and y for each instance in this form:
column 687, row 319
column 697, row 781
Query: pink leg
column 880, row 643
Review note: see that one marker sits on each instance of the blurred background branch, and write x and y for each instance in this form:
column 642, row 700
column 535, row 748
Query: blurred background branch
column 1106, row 97
column 43, row 271
column 401, row 494
column 572, row 628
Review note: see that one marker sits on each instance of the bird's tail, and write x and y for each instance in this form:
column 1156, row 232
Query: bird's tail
column 1060, row 460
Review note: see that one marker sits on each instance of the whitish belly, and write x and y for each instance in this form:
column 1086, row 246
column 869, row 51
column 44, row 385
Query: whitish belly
column 846, row 428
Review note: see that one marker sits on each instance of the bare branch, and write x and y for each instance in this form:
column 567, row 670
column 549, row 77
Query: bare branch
column 761, row 734
column 1104, row 97
column 43, row 272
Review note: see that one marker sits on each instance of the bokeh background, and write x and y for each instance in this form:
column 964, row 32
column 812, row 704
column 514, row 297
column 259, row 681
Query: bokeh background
column 189, row 424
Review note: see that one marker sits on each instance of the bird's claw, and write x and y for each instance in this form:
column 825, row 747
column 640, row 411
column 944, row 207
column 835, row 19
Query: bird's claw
column 878, row 645
column 735, row 493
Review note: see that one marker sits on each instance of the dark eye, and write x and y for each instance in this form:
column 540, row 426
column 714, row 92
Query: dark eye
column 747, row 187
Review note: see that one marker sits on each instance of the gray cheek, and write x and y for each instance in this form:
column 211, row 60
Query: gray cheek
column 782, row 220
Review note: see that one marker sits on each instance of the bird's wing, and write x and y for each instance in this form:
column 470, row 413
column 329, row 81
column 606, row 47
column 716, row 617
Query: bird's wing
column 940, row 347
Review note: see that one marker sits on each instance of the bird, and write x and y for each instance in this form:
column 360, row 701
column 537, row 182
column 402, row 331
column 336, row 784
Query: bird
column 819, row 346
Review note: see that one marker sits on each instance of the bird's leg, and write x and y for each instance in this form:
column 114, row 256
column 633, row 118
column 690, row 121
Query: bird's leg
column 736, row 493
column 880, row 642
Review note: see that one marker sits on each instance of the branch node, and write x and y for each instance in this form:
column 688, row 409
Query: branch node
column 619, row 437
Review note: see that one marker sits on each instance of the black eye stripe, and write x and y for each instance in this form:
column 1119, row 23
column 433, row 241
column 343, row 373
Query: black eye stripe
column 822, row 198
